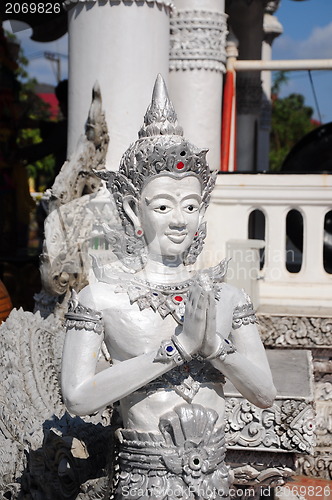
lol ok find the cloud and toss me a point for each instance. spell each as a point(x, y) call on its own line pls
point(317, 46)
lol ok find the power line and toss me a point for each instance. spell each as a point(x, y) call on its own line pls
point(54, 57)
point(40, 54)
point(315, 96)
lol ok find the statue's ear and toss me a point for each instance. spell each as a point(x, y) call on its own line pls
point(130, 206)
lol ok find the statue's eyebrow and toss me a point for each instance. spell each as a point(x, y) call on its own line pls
point(166, 196)
point(193, 196)
point(158, 196)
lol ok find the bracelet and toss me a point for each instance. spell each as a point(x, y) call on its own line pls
point(168, 352)
point(225, 347)
point(185, 355)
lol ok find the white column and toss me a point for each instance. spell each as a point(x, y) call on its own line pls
point(272, 29)
point(123, 45)
point(197, 64)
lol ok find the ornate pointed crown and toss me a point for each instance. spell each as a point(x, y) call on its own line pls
point(160, 149)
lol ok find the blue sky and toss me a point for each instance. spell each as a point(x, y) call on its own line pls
point(40, 68)
point(307, 26)
point(307, 34)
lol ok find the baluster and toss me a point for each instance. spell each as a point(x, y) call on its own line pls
point(275, 268)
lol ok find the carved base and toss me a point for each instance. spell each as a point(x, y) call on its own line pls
point(260, 469)
point(319, 465)
point(314, 333)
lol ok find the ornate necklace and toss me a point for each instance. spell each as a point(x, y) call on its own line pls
point(170, 298)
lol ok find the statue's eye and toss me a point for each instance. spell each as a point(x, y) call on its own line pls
point(191, 208)
point(163, 209)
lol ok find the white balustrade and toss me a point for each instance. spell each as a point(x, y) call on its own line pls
point(236, 196)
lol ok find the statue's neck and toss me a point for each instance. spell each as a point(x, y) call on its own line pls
point(160, 269)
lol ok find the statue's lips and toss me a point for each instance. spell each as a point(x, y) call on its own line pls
point(177, 237)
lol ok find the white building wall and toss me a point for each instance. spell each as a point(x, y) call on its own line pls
point(236, 196)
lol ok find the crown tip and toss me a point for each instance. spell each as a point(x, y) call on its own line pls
point(160, 94)
point(160, 117)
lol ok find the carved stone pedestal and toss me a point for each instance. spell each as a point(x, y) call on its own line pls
point(263, 444)
point(313, 332)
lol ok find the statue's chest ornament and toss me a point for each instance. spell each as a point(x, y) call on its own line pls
point(171, 299)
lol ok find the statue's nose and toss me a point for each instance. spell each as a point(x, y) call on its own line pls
point(178, 219)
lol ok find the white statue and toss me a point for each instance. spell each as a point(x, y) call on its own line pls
point(173, 334)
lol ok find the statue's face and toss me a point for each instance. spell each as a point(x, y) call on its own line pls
point(169, 212)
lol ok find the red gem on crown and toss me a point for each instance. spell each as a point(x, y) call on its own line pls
point(180, 165)
point(178, 298)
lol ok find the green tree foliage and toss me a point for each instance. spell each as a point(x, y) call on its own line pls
point(291, 120)
point(33, 111)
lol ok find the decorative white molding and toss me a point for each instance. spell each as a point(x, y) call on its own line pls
point(251, 474)
point(198, 40)
point(324, 423)
point(272, 28)
point(190, 64)
point(319, 465)
point(295, 331)
point(323, 391)
point(287, 426)
point(67, 4)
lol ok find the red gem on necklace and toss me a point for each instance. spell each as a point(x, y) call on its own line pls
point(178, 298)
point(180, 165)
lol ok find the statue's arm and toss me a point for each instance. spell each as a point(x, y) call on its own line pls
point(248, 368)
point(85, 391)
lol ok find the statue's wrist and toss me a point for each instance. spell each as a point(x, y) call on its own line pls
point(172, 350)
point(184, 353)
point(224, 348)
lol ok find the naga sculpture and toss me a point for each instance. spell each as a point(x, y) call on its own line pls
point(173, 333)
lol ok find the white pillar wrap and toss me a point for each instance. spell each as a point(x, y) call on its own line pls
point(123, 45)
point(197, 64)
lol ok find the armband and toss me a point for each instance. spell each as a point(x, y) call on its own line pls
point(81, 317)
point(244, 315)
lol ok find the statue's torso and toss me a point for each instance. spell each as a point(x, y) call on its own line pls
point(130, 332)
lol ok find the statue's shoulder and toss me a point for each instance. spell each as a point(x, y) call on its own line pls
point(100, 295)
point(234, 295)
